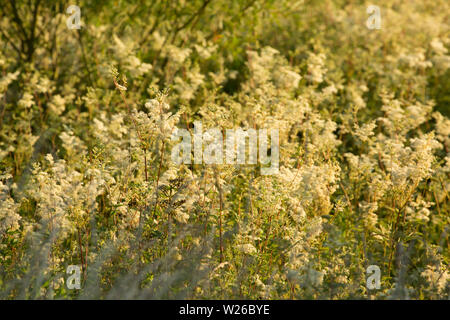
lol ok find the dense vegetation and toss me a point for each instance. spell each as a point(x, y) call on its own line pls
point(86, 178)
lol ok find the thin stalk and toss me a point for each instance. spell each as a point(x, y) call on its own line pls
point(219, 187)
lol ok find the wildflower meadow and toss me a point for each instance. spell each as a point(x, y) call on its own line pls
point(225, 149)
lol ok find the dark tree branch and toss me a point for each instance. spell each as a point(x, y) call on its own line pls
point(32, 39)
point(8, 40)
point(156, 23)
point(17, 19)
point(194, 16)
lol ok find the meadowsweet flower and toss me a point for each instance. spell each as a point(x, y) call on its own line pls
point(438, 46)
point(247, 248)
point(366, 131)
point(57, 105)
point(316, 69)
point(205, 51)
point(436, 277)
point(287, 78)
point(176, 54)
point(44, 85)
point(26, 101)
point(9, 217)
point(369, 213)
point(6, 80)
